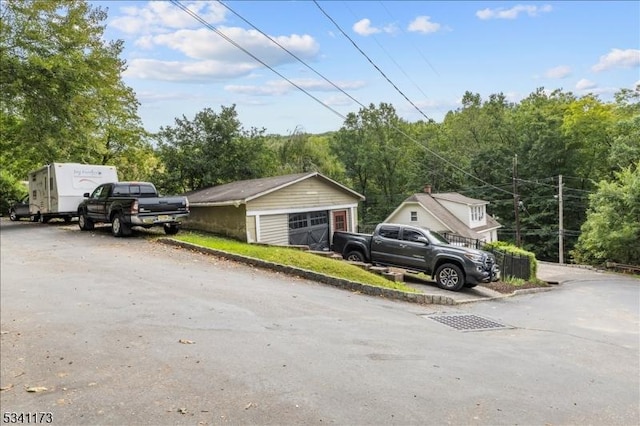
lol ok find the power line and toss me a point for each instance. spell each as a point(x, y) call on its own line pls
point(400, 131)
point(415, 47)
point(370, 61)
point(391, 58)
point(197, 17)
point(293, 55)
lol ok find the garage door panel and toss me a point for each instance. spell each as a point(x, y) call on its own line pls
point(309, 229)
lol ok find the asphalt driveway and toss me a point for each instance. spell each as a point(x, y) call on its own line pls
point(125, 331)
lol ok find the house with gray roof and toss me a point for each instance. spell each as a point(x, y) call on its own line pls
point(297, 209)
point(459, 218)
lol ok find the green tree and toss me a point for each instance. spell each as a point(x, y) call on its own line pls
point(379, 156)
point(303, 152)
point(612, 229)
point(63, 98)
point(211, 149)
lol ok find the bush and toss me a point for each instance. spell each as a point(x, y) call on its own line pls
point(508, 248)
point(11, 190)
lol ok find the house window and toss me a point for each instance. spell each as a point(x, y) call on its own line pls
point(414, 216)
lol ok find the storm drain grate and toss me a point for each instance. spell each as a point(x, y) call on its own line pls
point(467, 322)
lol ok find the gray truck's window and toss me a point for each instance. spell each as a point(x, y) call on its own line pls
point(436, 238)
point(389, 232)
point(411, 235)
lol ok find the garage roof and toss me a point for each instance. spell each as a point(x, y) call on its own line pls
point(246, 190)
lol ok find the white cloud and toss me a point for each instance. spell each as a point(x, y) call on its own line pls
point(338, 100)
point(501, 13)
point(204, 44)
point(159, 16)
point(152, 69)
point(618, 58)
point(281, 87)
point(364, 28)
point(585, 84)
point(561, 71)
point(423, 24)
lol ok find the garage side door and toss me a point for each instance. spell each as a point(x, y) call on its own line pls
point(309, 229)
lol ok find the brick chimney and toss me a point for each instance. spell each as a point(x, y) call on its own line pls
point(427, 189)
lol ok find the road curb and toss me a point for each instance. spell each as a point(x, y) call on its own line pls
point(419, 298)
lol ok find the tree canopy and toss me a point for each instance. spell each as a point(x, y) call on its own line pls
point(64, 100)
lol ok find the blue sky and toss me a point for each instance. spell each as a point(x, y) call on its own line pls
point(431, 51)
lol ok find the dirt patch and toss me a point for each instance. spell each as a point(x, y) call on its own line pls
point(506, 288)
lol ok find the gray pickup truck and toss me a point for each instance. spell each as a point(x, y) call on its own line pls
point(127, 204)
point(419, 249)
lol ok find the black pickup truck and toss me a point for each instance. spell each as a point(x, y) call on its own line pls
point(419, 249)
point(127, 204)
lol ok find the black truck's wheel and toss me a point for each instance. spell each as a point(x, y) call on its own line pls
point(171, 228)
point(84, 222)
point(13, 216)
point(354, 256)
point(450, 277)
point(118, 227)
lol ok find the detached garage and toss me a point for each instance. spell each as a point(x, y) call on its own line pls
point(299, 209)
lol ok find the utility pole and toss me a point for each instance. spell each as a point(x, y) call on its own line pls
point(561, 224)
point(516, 201)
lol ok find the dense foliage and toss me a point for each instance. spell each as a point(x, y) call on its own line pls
point(63, 100)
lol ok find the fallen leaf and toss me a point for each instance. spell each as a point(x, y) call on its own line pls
point(249, 405)
point(36, 389)
point(186, 342)
point(182, 410)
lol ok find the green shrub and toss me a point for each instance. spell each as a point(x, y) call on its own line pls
point(509, 248)
point(11, 190)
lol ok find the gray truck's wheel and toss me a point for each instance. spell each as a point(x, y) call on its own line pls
point(13, 216)
point(449, 277)
point(354, 256)
point(84, 222)
point(171, 229)
point(118, 227)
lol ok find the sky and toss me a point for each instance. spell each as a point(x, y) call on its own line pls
point(302, 66)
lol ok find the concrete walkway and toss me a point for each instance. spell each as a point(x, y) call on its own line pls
point(552, 273)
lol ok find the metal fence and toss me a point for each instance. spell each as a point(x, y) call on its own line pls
point(457, 240)
point(512, 265)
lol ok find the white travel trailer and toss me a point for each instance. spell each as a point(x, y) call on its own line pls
point(56, 190)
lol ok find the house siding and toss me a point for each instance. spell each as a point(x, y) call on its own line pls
point(251, 229)
point(461, 211)
point(425, 219)
point(229, 221)
point(309, 193)
point(274, 229)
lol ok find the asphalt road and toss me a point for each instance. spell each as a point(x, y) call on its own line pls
point(128, 331)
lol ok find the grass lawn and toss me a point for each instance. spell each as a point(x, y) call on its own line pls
point(293, 257)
